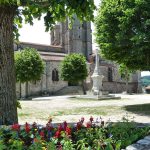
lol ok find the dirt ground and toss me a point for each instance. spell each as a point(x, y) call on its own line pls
point(39, 111)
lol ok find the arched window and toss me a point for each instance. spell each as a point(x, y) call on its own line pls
point(55, 75)
point(110, 75)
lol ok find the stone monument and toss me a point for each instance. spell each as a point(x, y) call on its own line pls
point(97, 78)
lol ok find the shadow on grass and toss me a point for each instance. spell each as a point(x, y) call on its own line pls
point(141, 109)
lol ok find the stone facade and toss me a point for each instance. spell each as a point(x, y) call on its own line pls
point(64, 41)
point(47, 85)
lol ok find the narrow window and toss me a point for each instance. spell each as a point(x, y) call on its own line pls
point(110, 76)
point(55, 76)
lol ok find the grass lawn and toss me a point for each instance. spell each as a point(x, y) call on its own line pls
point(43, 110)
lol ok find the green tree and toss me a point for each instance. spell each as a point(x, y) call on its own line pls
point(29, 66)
point(123, 32)
point(74, 69)
point(125, 74)
point(11, 17)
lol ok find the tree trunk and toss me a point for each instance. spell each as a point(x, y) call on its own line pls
point(83, 87)
point(127, 83)
point(27, 90)
point(8, 103)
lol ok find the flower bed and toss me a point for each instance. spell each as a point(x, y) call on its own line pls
point(92, 136)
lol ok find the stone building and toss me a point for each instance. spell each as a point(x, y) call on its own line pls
point(64, 41)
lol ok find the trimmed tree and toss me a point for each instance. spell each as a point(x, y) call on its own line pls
point(11, 17)
point(125, 74)
point(29, 66)
point(123, 32)
point(74, 69)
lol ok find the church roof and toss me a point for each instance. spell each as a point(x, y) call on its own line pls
point(49, 56)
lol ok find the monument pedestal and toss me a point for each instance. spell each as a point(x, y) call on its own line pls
point(97, 78)
point(98, 97)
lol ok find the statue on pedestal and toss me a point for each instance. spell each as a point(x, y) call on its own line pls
point(97, 78)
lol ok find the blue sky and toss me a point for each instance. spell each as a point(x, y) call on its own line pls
point(37, 34)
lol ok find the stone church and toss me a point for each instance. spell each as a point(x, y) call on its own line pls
point(64, 41)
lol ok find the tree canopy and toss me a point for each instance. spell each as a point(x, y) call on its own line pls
point(74, 68)
point(12, 13)
point(123, 32)
point(29, 65)
point(53, 10)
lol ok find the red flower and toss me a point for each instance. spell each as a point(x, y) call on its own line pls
point(15, 127)
point(68, 131)
point(42, 134)
point(65, 125)
point(60, 128)
point(57, 134)
point(91, 119)
point(88, 125)
point(79, 125)
point(27, 127)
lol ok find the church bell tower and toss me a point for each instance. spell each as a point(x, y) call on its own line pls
point(77, 39)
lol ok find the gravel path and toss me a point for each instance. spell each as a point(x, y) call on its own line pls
point(64, 102)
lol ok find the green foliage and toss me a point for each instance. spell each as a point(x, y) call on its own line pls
point(29, 65)
point(113, 137)
point(125, 133)
point(122, 32)
point(145, 80)
point(53, 10)
point(2, 145)
point(73, 68)
point(18, 105)
point(125, 72)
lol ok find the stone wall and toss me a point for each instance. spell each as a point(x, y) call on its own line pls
point(45, 86)
point(117, 85)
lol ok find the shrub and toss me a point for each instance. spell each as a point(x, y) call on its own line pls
point(93, 136)
point(73, 68)
point(29, 65)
